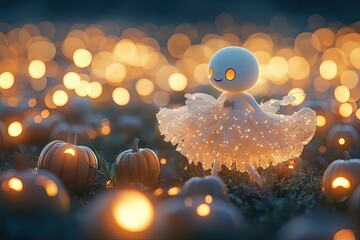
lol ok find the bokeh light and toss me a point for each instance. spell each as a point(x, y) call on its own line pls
point(177, 81)
point(328, 69)
point(342, 94)
point(133, 211)
point(6, 80)
point(15, 129)
point(37, 69)
point(82, 58)
point(60, 98)
point(203, 210)
point(121, 96)
point(71, 80)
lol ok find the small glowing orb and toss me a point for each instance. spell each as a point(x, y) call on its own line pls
point(37, 119)
point(320, 121)
point(32, 102)
point(82, 58)
point(15, 184)
point(37, 69)
point(45, 113)
point(299, 95)
point(133, 211)
point(144, 87)
point(121, 96)
point(60, 98)
point(208, 199)
point(177, 81)
point(341, 141)
point(203, 210)
point(6, 80)
point(105, 130)
point(163, 161)
point(158, 192)
point(70, 151)
point(51, 188)
point(173, 191)
point(346, 109)
point(344, 234)
point(15, 129)
point(291, 167)
point(94, 90)
point(328, 69)
point(340, 182)
point(342, 94)
point(71, 80)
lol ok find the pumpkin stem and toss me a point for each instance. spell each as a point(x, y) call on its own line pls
point(135, 146)
point(72, 139)
point(346, 155)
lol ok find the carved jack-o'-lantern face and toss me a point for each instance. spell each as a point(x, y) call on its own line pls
point(341, 178)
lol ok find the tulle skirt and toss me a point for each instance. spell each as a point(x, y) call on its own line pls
point(206, 129)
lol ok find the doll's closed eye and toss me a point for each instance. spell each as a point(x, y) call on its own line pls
point(230, 74)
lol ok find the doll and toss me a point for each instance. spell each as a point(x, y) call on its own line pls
point(234, 127)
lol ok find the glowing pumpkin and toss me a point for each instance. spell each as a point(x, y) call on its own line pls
point(342, 137)
point(30, 198)
point(198, 218)
point(137, 165)
point(75, 165)
point(31, 191)
point(341, 178)
point(125, 214)
point(203, 186)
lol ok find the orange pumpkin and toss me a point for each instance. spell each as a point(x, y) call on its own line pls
point(341, 178)
point(30, 191)
point(137, 165)
point(75, 165)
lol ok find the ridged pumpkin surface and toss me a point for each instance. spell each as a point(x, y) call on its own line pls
point(75, 165)
point(137, 165)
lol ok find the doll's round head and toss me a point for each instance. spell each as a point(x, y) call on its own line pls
point(233, 69)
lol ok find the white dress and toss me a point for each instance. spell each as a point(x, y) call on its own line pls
point(234, 128)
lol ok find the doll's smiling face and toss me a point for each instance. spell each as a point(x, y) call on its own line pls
point(233, 69)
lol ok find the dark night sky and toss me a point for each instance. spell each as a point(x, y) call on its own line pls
point(168, 11)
